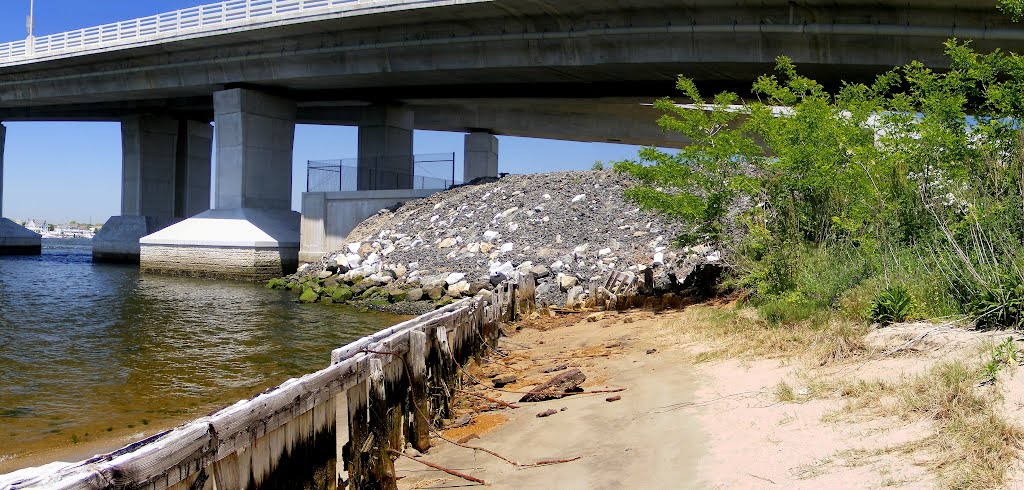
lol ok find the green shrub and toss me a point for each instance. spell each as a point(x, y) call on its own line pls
point(1000, 305)
point(893, 304)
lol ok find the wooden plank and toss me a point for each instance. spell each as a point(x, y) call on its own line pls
point(341, 431)
point(356, 463)
point(232, 471)
point(349, 350)
point(416, 359)
point(381, 472)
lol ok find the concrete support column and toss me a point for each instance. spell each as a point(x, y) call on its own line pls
point(252, 233)
point(165, 177)
point(255, 137)
point(385, 149)
point(192, 168)
point(14, 238)
point(481, 156)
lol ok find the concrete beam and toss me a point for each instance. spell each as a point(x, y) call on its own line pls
point(385, 149)
point(603, 121)
point(627, 120)
point(481, 156)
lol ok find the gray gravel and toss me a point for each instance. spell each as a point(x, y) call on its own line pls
point(566, 227)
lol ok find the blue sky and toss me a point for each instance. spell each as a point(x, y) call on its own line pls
point(72, 171)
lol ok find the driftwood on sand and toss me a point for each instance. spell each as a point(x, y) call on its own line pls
point(556, 387)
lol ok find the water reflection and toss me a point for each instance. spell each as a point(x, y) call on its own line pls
point(102, 349)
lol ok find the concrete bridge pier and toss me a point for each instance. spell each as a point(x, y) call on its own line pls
point(480, 156)
point(165, 178)
point(252, 233)
point(385, 149)
point(14, 238)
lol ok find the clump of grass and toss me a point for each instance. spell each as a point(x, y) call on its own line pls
point(893, 304)
point(972, 446)
point(784, 392)
point(825, 337)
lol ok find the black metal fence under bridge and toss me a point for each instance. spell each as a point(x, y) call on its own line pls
point(431, 171)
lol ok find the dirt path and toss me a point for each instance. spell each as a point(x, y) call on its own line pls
point(729, 423)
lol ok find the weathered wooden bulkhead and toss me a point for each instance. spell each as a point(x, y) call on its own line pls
point(327, 430)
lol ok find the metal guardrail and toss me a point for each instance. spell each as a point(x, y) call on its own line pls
point(169, 25)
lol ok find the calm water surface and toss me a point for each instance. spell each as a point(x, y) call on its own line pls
point(93, 354)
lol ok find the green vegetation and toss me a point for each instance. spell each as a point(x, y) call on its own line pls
point(1013, 8)
point(897, 199)
point(893, 304)
point(1003, 355)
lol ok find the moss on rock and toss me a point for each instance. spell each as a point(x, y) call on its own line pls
point(342, 294)
point(277, 283)
point(308, 295)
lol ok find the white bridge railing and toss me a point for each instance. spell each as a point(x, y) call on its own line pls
point(215, 16)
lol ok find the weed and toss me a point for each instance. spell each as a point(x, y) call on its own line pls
point(784, 392)
point(1002, 355)
point(893, 304)
point(972, 446)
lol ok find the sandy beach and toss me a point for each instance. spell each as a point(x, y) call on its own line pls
point(695, 415)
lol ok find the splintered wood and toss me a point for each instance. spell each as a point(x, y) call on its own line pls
point(556, 387)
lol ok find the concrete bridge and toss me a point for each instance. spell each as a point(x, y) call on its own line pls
point(567, 69)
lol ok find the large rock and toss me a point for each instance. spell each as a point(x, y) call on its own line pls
point(459, 289)
point(414, 294)
point(567, 281)
point(434, 292)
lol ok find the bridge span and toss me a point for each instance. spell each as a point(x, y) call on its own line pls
point(563, 69)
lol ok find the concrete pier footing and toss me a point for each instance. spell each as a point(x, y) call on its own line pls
point(18, 240)
point(165, 177)
point(252, 234)
point(241, 243)
point(118, 239)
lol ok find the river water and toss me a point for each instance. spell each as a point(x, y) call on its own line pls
point(93, 356)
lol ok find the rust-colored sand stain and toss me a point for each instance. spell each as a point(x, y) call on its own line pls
point(546, 322)
point(480, 425)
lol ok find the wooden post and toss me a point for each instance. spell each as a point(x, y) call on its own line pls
point(419, 407)
point(442, 374)
point(341, 431)
point(356, 449)
point(396, 393)
point(381, 471)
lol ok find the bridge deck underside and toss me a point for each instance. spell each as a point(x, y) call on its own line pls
point(477, 65)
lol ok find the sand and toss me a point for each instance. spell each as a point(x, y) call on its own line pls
point(684, 424)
